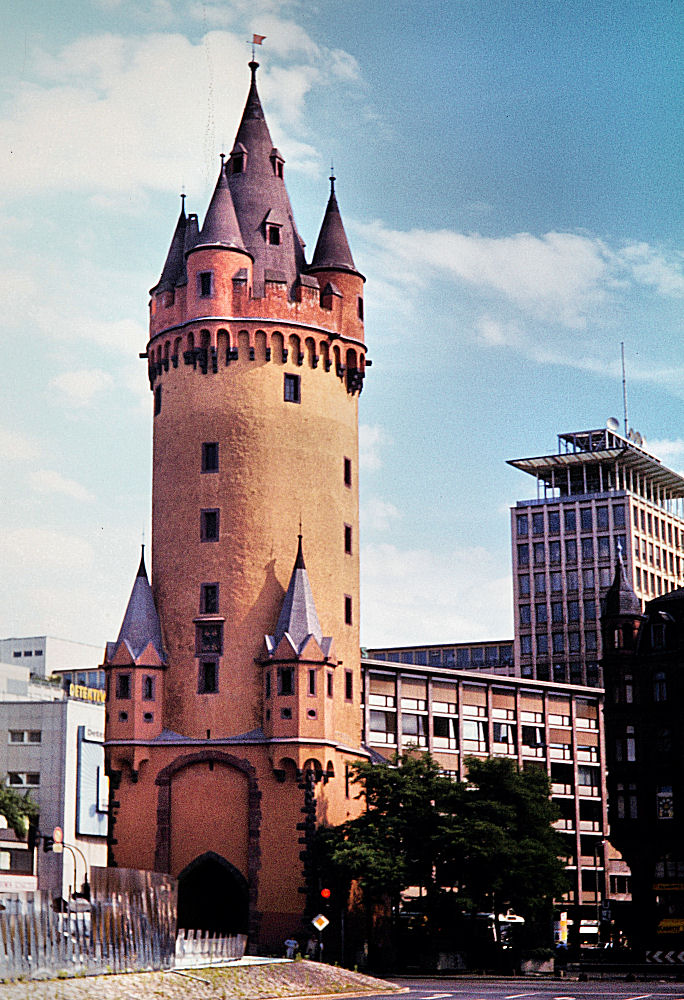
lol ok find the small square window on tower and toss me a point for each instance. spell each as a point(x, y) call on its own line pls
point(209, 525)
point(291, 393)
point(347, 610)
point(209, 598)
point(210, 456)
point(205, 284)
point(207, 680)
point(347, 472)
point(123, 686)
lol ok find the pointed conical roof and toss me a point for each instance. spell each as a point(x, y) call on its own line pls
point(332, 248)
point(254, 173)
point(220, 224)
point(191, 239)
point(174, 265)
point(141, 626)
point(298, 619)
point(620, 597)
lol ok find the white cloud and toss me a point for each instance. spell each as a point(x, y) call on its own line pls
point(560, 278)
point(79, 388)
point(43, 548)
point(120, 114)
point(371, 440)
point(50, 482)
point(416, 595)
point(378, 514)
point(17, 447)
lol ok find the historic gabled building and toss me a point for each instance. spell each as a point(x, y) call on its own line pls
point(235, 682)
point(643, 668)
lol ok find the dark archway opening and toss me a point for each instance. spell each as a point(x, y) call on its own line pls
point(213, 896)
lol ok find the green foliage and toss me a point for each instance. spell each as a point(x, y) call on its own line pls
point(487, 843)
point(17, 809)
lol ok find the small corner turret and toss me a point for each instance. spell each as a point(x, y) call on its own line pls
point(134, 666)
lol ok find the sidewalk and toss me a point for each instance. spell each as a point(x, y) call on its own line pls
point(248, 979)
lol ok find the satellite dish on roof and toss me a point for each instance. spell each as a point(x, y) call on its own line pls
point(612, 424)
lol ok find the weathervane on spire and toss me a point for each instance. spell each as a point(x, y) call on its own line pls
point(257, 40)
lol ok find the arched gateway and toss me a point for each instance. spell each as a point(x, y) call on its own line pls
point(213, 896)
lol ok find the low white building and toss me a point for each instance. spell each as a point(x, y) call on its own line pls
point(46, 654)
point(51, 747)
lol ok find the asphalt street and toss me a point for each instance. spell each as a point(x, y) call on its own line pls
point(464, 989)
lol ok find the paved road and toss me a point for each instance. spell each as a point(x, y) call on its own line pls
point(465, 989)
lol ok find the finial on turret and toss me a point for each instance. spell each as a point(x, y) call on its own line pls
point(183, 197)
point(332, 178)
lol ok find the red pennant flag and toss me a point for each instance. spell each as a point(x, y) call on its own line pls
point(257, 39)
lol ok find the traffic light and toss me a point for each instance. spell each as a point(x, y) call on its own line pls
point(325, 893)
point(48, 843)
point(34, 836)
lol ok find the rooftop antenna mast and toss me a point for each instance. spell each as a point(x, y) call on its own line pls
point(624, 386)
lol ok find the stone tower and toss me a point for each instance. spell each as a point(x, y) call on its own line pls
point(256, 361)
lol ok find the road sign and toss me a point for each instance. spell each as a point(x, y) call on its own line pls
point(320, 922)
point(58, 840)
point(605, 910)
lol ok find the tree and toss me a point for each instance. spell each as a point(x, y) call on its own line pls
point(486, 843)
point(18, 810)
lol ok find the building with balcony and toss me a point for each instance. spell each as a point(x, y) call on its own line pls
point(455, 714)
point(599, 494)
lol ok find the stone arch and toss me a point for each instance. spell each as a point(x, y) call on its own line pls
point(162, 859)
point(205, 339)
point(311, 356)
point(213, 896)
point(222, 345)
point(243, 345)
point(277, 348)
point(314, 765)
point(190, 341)
point(288, 767)
point(260, 346)
point(296, 355)
point(351, 358)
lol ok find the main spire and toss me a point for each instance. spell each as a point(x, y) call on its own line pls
point(264, 214)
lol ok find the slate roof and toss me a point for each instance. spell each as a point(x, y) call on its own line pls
point(257, 190)
point(220, 224)
point(174, 265)
point(332, 248)
point(298, 618)
point(141, 624)
point(620, 597)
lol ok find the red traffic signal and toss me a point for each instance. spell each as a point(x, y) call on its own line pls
point(325, 893)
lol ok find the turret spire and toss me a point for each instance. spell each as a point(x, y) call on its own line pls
point(220, 223)
point(175, 261)
point(332, 248)
point(140, 627)
point(298, 619)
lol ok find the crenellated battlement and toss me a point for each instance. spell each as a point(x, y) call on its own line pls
point(211, 345)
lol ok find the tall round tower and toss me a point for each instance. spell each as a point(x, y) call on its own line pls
point(256, 361)
point(256, 366)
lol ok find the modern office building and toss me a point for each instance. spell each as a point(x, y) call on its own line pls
point(599, 493)
point(558, 727)
point(491, 657)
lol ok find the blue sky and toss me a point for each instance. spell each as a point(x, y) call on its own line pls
point(510, 178)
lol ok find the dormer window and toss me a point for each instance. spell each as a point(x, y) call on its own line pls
point(277, 162)
point(273, 235)
point(237, 163)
